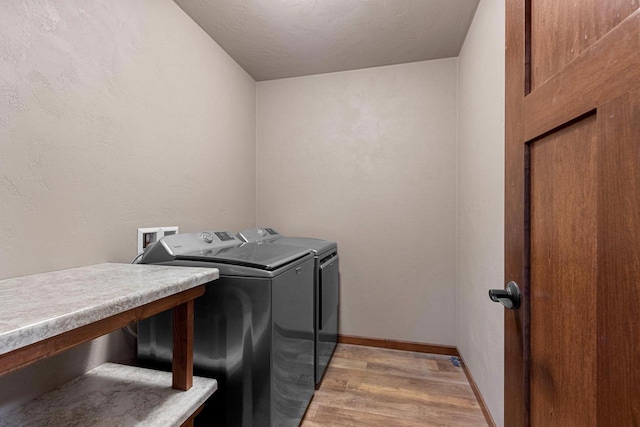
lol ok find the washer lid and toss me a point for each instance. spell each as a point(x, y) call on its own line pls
point(254, 254)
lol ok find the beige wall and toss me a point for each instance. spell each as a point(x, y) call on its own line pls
point(368, 158)
point(125, 114)
point(481, 201)
point(113, 115)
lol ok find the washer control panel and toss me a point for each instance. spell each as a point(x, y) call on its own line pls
point(179, 244)
point(225, 236)
point(258, 234)
point(207, 237)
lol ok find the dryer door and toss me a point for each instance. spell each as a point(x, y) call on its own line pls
point(327, 321)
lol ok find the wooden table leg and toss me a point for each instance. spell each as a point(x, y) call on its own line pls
point(183, 346)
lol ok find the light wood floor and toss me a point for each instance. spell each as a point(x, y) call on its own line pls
point(366, 386)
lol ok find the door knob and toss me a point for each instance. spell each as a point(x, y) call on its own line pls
point(509, 297)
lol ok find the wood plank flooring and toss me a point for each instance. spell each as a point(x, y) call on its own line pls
point(367, 386)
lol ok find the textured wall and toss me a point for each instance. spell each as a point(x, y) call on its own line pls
point(481, 201)
point(367, 158)
point(113, 115)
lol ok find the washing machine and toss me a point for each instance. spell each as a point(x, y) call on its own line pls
point(326, 289)
point(253, 327)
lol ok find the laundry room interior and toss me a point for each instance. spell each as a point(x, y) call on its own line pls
point(378, 125)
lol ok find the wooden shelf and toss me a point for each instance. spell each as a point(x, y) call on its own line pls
point(114, 395)
point(46, 314)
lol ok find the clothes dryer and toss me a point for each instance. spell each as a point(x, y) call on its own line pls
point(326, 289)
point(253, 327)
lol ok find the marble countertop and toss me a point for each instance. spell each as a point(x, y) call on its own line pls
point(114, 395)
point(39, 306)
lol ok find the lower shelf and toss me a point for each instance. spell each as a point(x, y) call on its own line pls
point(114, 395)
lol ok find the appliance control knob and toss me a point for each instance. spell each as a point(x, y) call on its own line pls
point(207, 237)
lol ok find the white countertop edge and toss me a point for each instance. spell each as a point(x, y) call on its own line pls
point(35, 332)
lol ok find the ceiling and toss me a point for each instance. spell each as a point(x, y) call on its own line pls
point(273, 39)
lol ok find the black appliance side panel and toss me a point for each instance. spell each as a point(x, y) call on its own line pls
point(232, 343)
point(327, 314)
point(293, 344)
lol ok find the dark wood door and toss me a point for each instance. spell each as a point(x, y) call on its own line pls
point(572, 236)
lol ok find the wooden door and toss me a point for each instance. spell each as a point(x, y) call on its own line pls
point(572, 212)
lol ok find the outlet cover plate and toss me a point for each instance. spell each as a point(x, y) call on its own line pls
point(159, 233)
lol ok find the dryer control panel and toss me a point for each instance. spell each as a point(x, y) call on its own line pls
point(258, 234)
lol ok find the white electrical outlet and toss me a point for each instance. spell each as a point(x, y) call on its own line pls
point(149, 235)
point(167, 231)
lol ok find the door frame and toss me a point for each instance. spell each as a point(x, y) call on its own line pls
point(516, 236)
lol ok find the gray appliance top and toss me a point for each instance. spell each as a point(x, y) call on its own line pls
point(258, 234)
point(270, 235)
point(223, 247)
